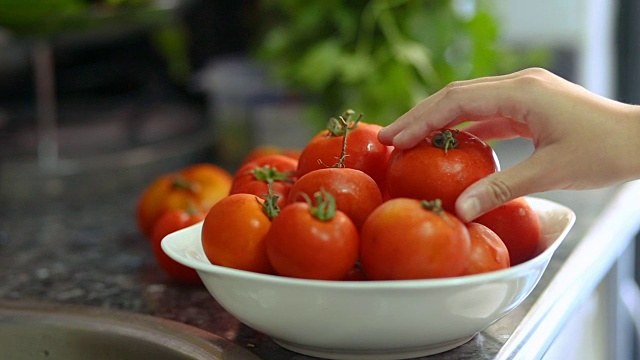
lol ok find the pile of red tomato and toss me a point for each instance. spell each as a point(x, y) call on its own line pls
point(347, 207)
point(176, 200)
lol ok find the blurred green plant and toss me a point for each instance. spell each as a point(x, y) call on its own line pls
point(380, 56)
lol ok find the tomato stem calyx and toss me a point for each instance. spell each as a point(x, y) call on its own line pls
point(179, 182)
point(325, 208)
point(268, 173)
point(433, 205)
point(436, 207)
point(270, 206)
point(445, 139)
point(341, 126)
point(343, 123)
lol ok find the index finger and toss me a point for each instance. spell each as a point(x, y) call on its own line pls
point(482, 99)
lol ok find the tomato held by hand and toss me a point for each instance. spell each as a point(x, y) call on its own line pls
point(199, 186)
point(363, 149)
point(355, 193)
point(254, 177)
point(233, 233)
point(440, 167)
point(412, 239)
point(169, 222)
point(313, 242)
point(488, 252)
point(518, 225)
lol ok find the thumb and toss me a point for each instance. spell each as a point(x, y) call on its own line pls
point(496, 189)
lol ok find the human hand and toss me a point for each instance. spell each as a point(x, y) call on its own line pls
point(581, 140)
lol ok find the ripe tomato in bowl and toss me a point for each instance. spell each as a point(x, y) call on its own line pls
point(385, 319)
point(441, 166)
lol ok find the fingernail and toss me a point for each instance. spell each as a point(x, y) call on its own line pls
point(384, 138)
point(469, 209)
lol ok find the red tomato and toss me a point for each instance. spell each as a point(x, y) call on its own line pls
point(363, 152)
point(233, 233)
point(488, 252)
point(428, 171)
point(253, 177)
point(404, 239)
point(169, 222)
point(355, 193)
point(312, 242)
point(384, 189)
point(199, 185)
point(266, 150)
point(518, 225)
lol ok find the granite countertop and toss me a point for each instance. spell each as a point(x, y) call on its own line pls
point(74, 240)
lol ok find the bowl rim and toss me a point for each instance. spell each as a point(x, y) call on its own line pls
point(491, 276)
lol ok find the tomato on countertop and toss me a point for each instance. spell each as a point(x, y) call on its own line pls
point(171, 221)
point(199, 186)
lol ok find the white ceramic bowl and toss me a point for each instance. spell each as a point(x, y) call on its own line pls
point(372, 319)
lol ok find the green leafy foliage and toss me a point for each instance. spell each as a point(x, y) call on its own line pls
point(379, 56)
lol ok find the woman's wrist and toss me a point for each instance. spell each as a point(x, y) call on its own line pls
point(630, 157)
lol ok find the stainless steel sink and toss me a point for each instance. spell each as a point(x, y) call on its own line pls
point(53, 331)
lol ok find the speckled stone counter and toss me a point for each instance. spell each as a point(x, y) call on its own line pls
point(74, 240)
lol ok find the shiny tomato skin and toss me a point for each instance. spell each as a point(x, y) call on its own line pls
point(199, 185)
point(356, 193)
point(488, 251)
point(518, 225)
point(244, 180)
point(302, 246)
point(233, 234)
point(171, 221)
point(429, 172)
point(364, 152)
point(402, 240)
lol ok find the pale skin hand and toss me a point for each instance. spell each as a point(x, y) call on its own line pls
point(581, 140)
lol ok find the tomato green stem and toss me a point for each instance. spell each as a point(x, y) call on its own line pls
point(445, 139)
point(341, 126)
point(267, 173)
point(343, 149)
point(325, 208)
point(433, 205)
point(343, 123)
point(270, 204)
point(436, 207)
point(179, 182)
